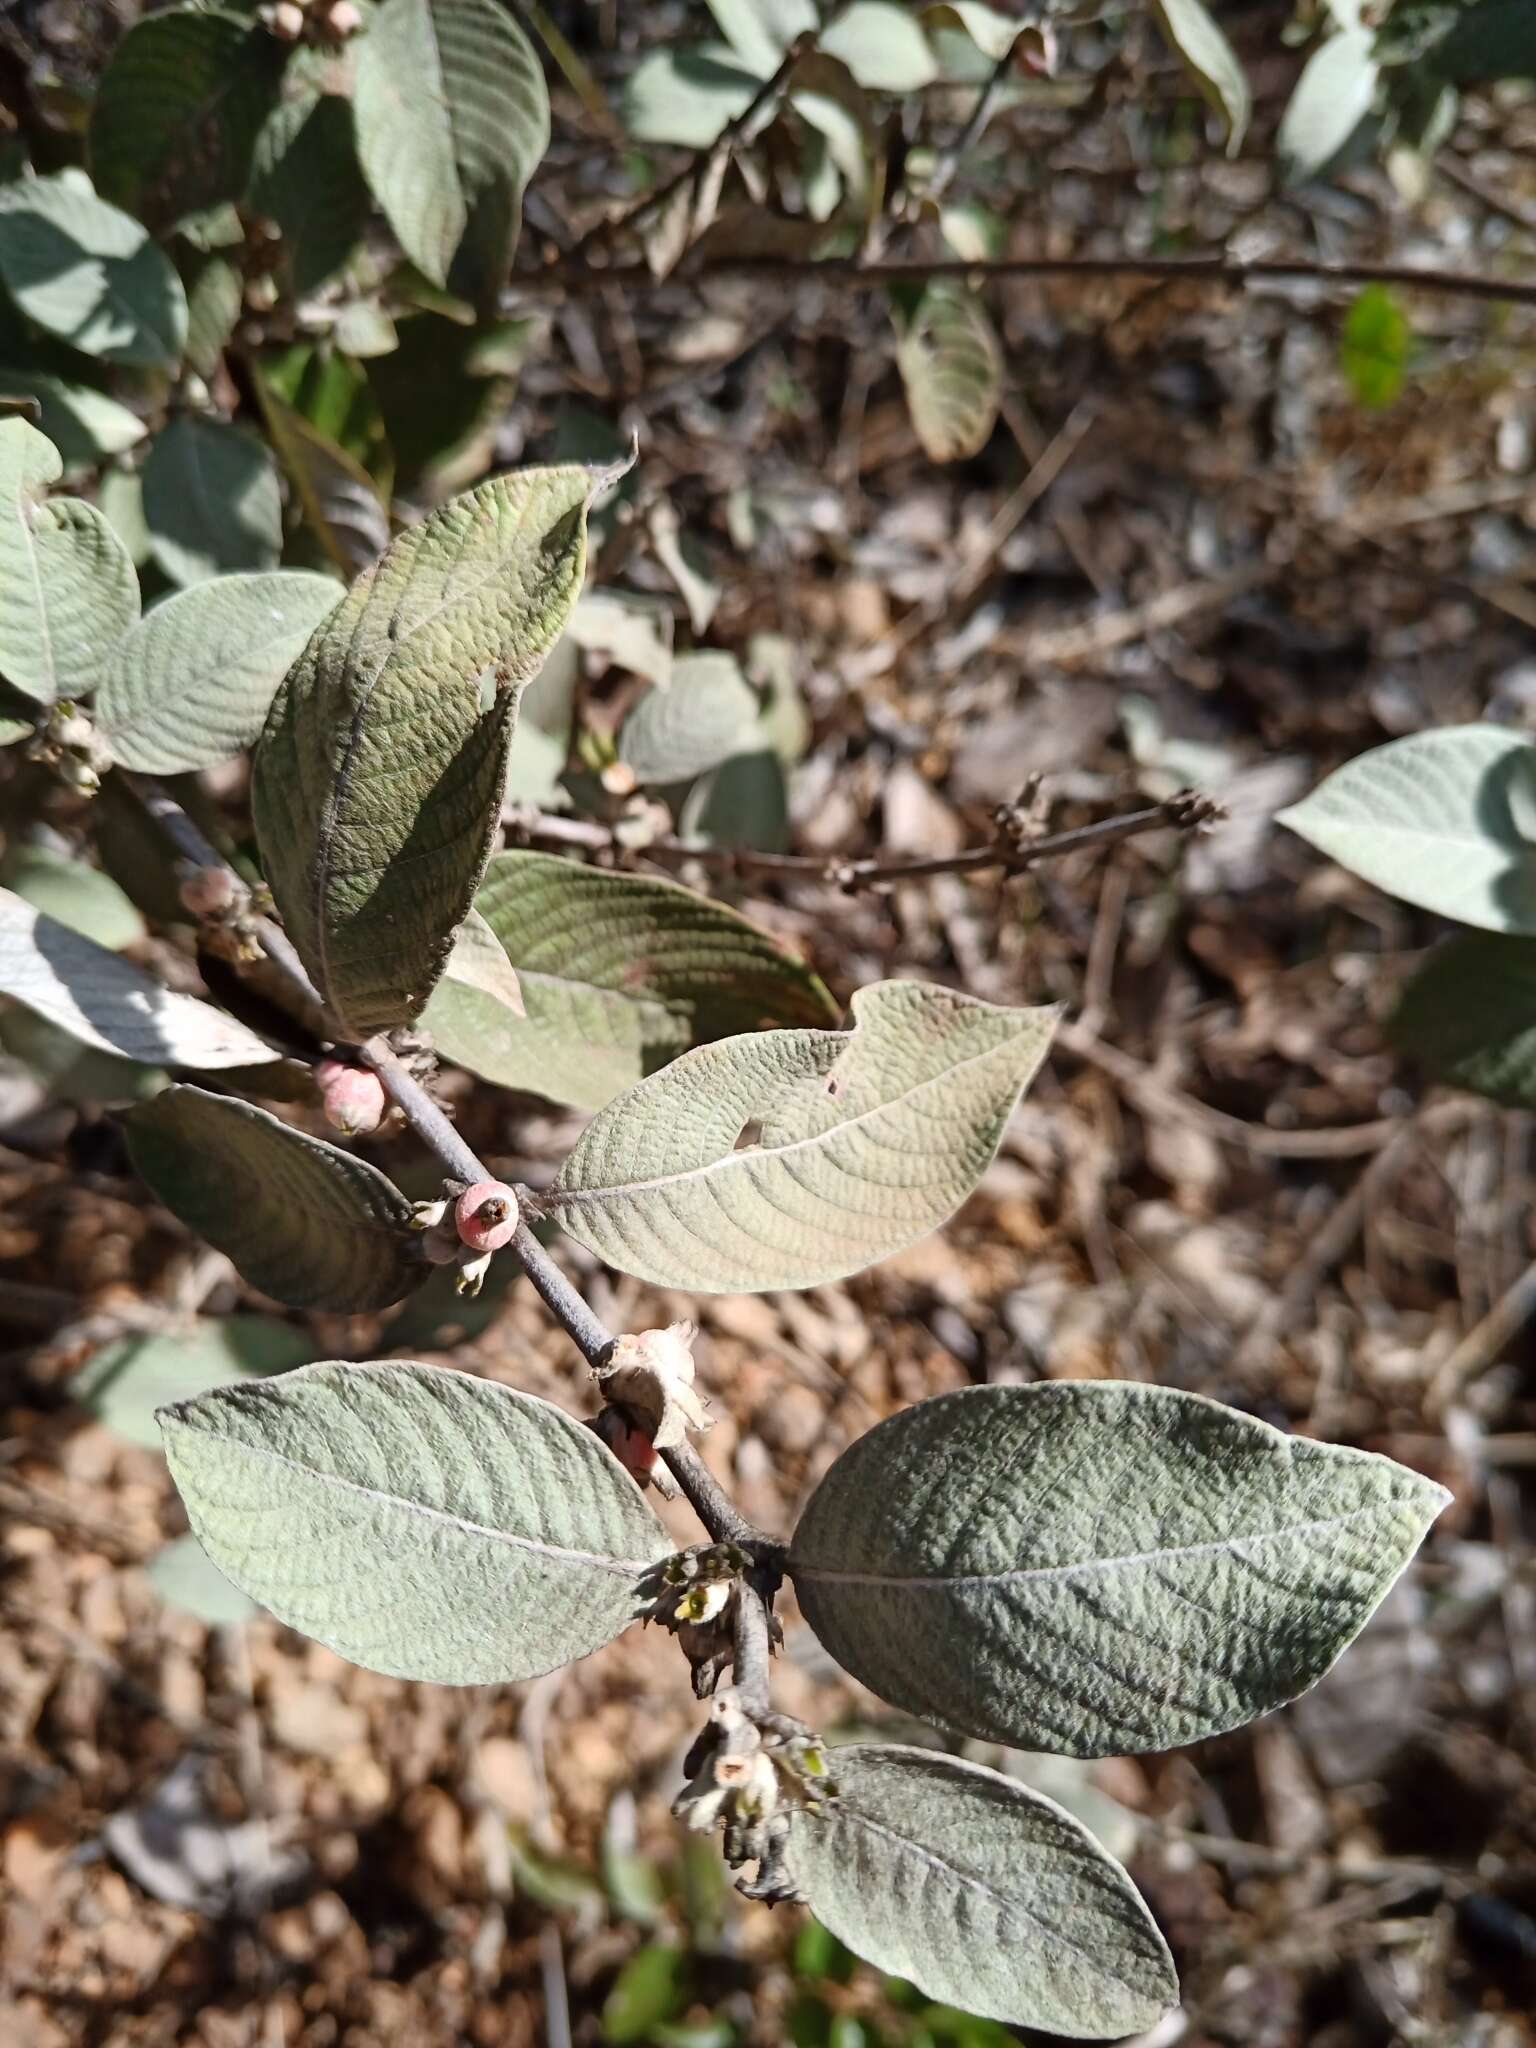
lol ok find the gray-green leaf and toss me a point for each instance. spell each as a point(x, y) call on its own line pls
point(78, 895)
point(211, 500)
point(1332, 97)
point(421, 1522)
point(303, 1221)
point(68, 591)
point(787, 1158)
point(89, 273)
point(178, 109)
point(882, 45)
point(618, 974)
point(308, 180)
point(982, 1893)
point(106, 1003)
point(951, 368)
point(704, 715)
point(1097, 1568)
point(379, 778)
point(127, 1380)
point(1470, 1016)
point(194, 680)
point(186, 1577)
point(452, 118)
point(1446, 820)
point(687, 95)
point(1212, 61)
point(83, 424)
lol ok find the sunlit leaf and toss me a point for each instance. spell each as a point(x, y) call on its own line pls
point(1213, 63)
point(706, 714)
point(1373, 350)
point(1333, 95)
point(90, 274)
point(951, 366)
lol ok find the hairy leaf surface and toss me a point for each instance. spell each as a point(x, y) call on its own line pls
point(1097, 1568)
point(982, 1893)
point(68, 591)
point(787, 1158)
point(618, 974)
point(1443, 819)
point(106, 1003)
point(194, 680)
point(421, 1522)
point(89, 273)
point(304, 1221)
point(379, 777)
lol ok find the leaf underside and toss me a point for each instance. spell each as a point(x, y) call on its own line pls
point(1098, 1568)
point(423, 1523)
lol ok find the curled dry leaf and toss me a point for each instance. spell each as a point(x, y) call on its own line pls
point(651, 1373)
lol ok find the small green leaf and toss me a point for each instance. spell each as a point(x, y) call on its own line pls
point(378, 782)
point(1333, 95)
point(106, 1003)
point(1373, 351)
point(452, 118)
point(1470, 1016)
point(706, 714)
point(687, 95)
point(1441, 819)
point(1212, 62)
point(760, 31)
point(305, 1222)
point(79, 896)
point(651, 1987)
point(68, 591)
point(882, 45)
point(178, 110)
point(211, 500)
point(308, 180)
point(981, 1893)
point(786, 1158)
point(951, 366)
point(186, 1578)
point(618, 973)
point(423, 1523)
point(127, 1380)
point(1098, 1568)
point(194, 680)
point(90, 274)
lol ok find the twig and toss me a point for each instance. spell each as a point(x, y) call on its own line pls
point(1482, 1344)
point(1183, 812)
point(1219, 270)
point(949, 159)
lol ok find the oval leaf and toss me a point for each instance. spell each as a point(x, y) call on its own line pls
point(194, 680)
point(83, 424)
point(1470, 1016)
point(303, 1221)
point(1333, 95)
point(83, 897)
point(68, 591)
point(211, 501)
point(452, 118)
point(126, 1381)
point(882, 45)
point(951, 367)
point(1094, 1568)
point(104, 1002)
point(618, 973)
point(421, 1522)
point(1441, 819)
point(1212, 61)
point(379, 778)
point(982, 1893)
point(90, 274)
point(791, 1157)
point(177, 112)
point(706, 713)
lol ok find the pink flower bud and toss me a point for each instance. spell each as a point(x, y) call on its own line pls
point(354, 1098)
point(486, 1215)
point(285, 20)
point(344, 19)
point(209, 892)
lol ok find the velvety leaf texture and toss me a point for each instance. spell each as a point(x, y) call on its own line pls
point(176, 115)
point(379, 777)
point(106, 1003)
point(421, 1522)
point(1098, 1568)
point(88, 273)
point(618, 974)
point(68, 589)
point(194, 680)
point(302, 1220)
point(983, 1894)
point(1443, 819)
point(791, 1157)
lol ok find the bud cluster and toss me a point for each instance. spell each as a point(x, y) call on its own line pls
point(66, 742)
point(749, 1777)
point(697, 1602)
point(467, 1228)
point(313, 21)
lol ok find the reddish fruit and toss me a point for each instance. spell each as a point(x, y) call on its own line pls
point(354, 1098)
point(486, 1216)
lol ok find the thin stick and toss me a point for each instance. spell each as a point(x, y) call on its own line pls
point(1219, 270)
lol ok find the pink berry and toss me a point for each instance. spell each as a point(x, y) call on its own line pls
point(486, 1215)
point(354, 1098)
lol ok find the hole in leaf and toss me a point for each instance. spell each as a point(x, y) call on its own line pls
point(750, 1135)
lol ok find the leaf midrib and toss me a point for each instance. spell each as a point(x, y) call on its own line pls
point(1085, 1566)
point(617, 1565)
